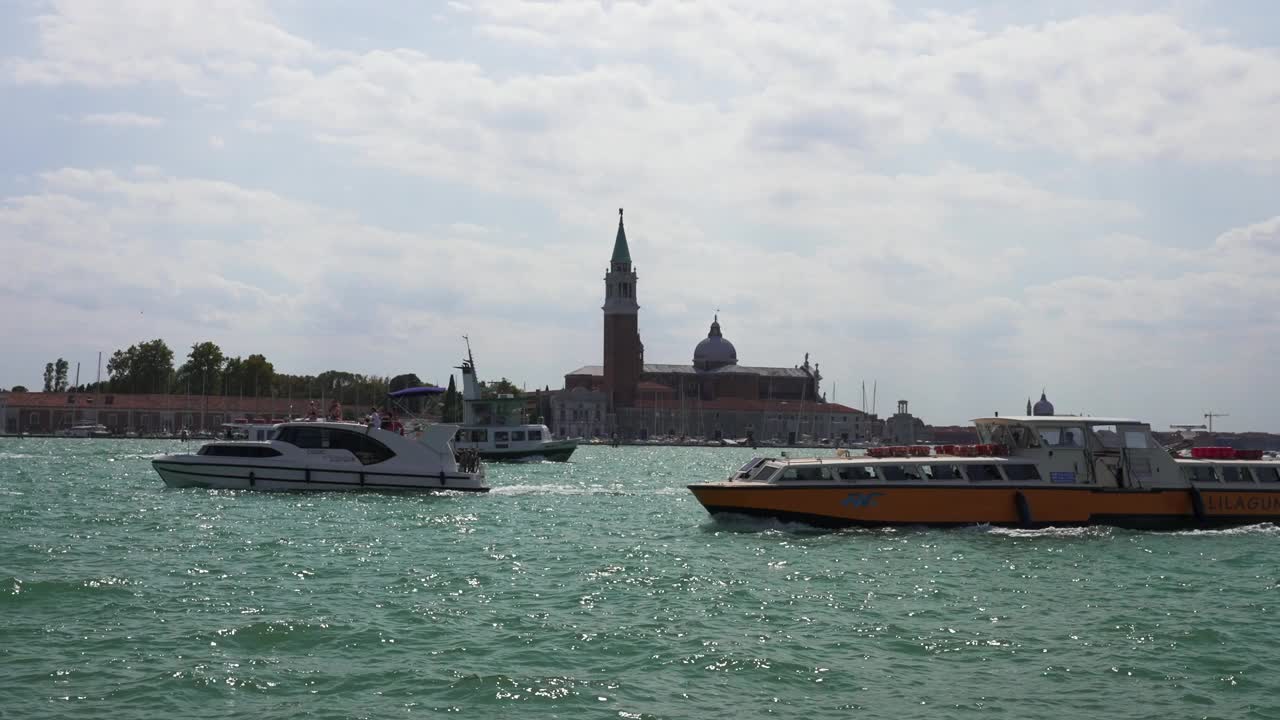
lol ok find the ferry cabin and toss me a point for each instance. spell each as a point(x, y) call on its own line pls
point(1027, 471)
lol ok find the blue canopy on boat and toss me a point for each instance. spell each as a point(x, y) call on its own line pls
point(415, 391)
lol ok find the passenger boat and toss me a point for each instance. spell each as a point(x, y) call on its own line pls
point(85, 431)
point(1030, 471)
point(305, 455)
point(493, 427)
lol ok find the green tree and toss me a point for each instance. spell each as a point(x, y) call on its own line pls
point(60, 375)
point(233, 376)
point(452, 411)
point(401, 382)
point(19, 388)
point(258, 374)
point(118, 368)
point(152, 367)
point(48, 377)
point(502, 386)
point(203, 368)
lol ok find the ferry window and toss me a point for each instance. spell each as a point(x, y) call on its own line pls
point(1107, 436)
point(1267, 474)
point(1022, 473)
point(982, 473)
point(499, 435)
point(517, 436)
point(479, 436)
point(914, 472)
point(1201, 473)
point(1231, 473)
point(945, 472)
point(854, 473)
point(1051, 436)
point(812, 474)
point(535, 434)
point(893, 473)
point(1135, 439)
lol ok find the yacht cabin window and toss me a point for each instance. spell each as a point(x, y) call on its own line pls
point(1267, 474)
point(517, 436)
point(535, 435)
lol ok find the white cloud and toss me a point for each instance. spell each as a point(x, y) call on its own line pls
point(899, 194)
point(189, 43)
point(122, 119)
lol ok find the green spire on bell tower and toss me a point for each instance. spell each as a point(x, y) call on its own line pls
point(621, 253)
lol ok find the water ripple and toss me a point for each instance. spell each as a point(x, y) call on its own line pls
point(596, 588)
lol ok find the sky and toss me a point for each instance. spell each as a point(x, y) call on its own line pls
point(958, 204)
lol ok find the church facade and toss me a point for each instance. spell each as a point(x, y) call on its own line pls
point(711, 397)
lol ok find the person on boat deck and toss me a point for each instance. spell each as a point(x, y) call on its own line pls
point(1069, 439)
point(335, 411)
point(375, 420)
point(312, 412)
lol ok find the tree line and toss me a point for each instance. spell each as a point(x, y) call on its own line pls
point(148, 367)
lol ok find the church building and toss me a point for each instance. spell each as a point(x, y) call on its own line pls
point(710, 396)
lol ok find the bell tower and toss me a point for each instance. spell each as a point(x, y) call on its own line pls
point(623, 353)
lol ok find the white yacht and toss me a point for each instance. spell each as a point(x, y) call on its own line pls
point(493, 428)
point(85, 431)
point(304, 455)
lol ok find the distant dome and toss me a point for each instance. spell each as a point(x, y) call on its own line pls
point(1043, 406)
point(715, 351)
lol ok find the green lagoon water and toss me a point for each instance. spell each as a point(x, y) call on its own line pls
point(595, 589)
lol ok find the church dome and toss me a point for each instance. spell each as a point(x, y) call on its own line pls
point(1043, 406)
point(715, 351)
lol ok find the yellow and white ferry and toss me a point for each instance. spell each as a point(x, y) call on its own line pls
point(1027, 471)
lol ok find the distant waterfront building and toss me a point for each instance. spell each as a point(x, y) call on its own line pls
point(711, 397)
point(1043, 406)
point(43, 413)
point(902, 428)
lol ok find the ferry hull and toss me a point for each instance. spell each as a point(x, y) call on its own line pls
point(553, 452)
point(1010, 506)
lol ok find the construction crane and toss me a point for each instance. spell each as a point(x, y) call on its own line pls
point(1209, 416)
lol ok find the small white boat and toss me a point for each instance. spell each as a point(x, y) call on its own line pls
point(85, 431)
point(493, 428)
point(306, 455)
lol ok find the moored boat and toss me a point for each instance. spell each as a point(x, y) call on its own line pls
point(1029, 471)
point(85, 431)
point(306, 455)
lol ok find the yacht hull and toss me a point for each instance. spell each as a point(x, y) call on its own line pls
point(877, 505)
point(237, 476)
